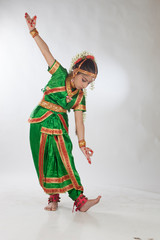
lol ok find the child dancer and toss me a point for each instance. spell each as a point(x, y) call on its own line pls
point(50, 143)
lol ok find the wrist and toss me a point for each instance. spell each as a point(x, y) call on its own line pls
point(82, 143)
point(34, 32)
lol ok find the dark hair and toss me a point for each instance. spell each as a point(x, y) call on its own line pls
point(88, 65)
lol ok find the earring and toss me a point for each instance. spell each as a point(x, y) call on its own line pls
point(92, 86)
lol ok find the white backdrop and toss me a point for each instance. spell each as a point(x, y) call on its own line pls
point(123, 115)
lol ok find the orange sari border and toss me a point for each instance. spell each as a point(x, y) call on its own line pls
point(63, 153)
point(40, 119)
point(66, 162)
point(54, 67)
point(79, 99)
point(51, 106)
point(41, 157)
point(51, 131)
point(69, 88)
point(80, 107)
point(58, 190)
point(55, 90)
point(63, 122)
point(41, 175)
point(57, 180)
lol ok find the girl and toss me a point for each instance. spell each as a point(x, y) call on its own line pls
point(49, 140)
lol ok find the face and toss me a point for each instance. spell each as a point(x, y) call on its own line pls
point(82, 81)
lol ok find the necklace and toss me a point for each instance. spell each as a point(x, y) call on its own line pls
point(72, 83)
point(69, 85)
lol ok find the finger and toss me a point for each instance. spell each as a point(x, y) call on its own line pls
point(89, 160)
point(27, 16)
point(86, 154)
point(28, 19)
point(90, 154)
point(34, 19)
point(90, 151)
point(32, 22)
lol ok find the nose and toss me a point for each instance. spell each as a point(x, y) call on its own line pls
point(85, 85)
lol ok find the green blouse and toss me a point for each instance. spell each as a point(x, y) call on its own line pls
point(56, 92)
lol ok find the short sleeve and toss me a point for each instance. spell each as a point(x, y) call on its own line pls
point(82, 105)
point(57, 69)
point(59, 74)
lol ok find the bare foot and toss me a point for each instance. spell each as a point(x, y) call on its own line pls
point(89, 203)
point(52, 206)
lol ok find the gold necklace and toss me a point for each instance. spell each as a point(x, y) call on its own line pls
point(69, 89)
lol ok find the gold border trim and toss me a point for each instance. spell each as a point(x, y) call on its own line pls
point(54, 67)
point(66, 161)
point(57, 180)
point(41, 157)
point(51, 131)
point(55, 90)
point(63, 122)
point(80, 107)
point(40, 119)
point(52, 106)
point(58, 190)
point(41, 176)
point(79, 99)
point(69, 88)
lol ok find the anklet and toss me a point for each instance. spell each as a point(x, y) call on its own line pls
point(79, 202)
point(54, 198)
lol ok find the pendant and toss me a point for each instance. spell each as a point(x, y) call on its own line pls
point(68, 99)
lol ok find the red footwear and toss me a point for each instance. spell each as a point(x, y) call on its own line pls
point(79, 202)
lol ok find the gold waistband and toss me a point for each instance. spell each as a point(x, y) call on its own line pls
point(52, 106)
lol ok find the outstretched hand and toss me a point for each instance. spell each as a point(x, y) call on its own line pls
point(31, 22)
point(88, 153)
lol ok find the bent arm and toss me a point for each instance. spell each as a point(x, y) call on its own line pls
point(44, 50)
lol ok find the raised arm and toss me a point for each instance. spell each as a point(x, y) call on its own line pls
point(80, 130)
point(31, 22)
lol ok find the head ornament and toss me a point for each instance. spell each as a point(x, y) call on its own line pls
point(78, 58)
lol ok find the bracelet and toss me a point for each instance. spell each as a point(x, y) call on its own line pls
point(82, 143)
point(34, 32)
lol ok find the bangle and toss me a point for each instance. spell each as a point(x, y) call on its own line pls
point(82, 143)
point(34, 32)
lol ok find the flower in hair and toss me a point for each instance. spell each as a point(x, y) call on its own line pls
point(90, 57)
point(79, 59)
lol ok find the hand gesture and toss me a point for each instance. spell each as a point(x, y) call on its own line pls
point(31, 22)
point(88, 153)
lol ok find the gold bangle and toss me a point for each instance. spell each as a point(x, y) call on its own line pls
point(82, 143)
point(34, 32)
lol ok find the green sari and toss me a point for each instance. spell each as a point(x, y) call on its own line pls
point(50, 143)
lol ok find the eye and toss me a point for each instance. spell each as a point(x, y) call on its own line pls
point(83, 80)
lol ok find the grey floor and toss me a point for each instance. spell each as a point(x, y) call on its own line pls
point(122, 214)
